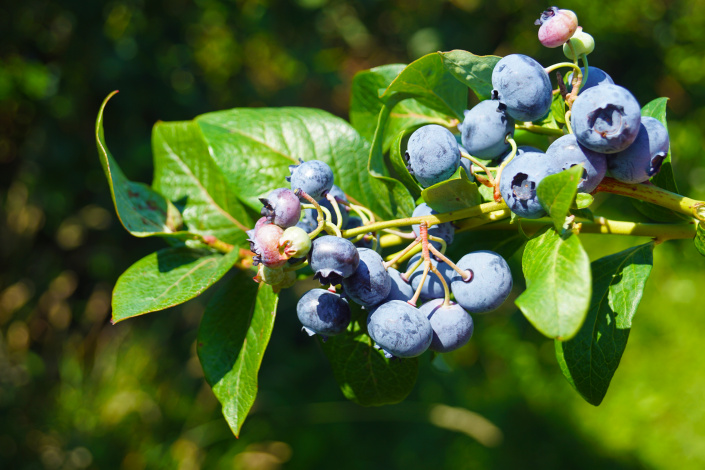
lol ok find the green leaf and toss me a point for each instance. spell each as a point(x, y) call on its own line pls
point(142, 211)
point(699, 239)
point(474, 71)
point(396, 157)
point(166, 278)
point(431, 84)
point(364, 375)
point(232, 339)
point(453, 194)
point(557, 296)
point(665, 177)
point(254, 148)
point(365, 105)
point(557, 192)
point(590, 359)
point(583, 200)
point(185, 172)
point(558, 109)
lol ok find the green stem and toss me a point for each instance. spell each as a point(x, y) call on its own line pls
point(652, 194)
point(608, 227)
point(564, 64)
point(430, 219)
point(587, 69)
point(527, 126)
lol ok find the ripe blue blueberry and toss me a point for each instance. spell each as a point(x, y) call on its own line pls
point(446, 231)
point(485, 128)
point(332, 259)
point(282, 207)
point(370, 284)
point(606, 118)
point(452, 326)
point(566, 152)
point(314, 177)
point(323, 312)
point(432, 154)
point(523, 86)
point(595, 77)
point(400, 329)
point(519, 181)
point(401, 289)
point(432, 288)
point(641, 160)
point(489, 286)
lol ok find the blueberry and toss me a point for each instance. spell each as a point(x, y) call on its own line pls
point(432, 154)
point(370, 284)
point(641, 160)
point(400, 329)
point(557, 26)
point(309, 221)
point(401, 289)
point(485, 128)
point(519, 181)
point(489, 286)
point(595, 77)
point(265, 245)
point(452, 326)
point(332, 259)
point(446, 231)
point(606, 118)
point(432, 288)
point(523, 86)
point(314, 177)
point(323, 312)
point(566, 152)
point(282, 207)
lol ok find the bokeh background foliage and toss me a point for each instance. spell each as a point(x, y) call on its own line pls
point(76, 392)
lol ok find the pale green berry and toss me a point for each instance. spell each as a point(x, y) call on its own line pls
point(271, 276)
point(295, 242)
point(582, 42)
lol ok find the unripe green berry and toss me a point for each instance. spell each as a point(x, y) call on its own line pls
point(582, 42)
point(295, 242)
point(271, 276)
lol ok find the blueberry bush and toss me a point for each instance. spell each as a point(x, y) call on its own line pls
point(406, 215)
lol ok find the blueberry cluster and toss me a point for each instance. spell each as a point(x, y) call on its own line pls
point(288, 236)
point(607, 133)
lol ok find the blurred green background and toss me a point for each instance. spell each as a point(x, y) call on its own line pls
point(76, 392)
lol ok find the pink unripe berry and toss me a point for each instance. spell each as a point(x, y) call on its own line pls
point(557, 26)
point(266, 246)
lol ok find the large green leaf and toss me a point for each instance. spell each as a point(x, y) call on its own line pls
point(557, 296)
point(557, 193)
point(396, 157)
point(254, 148)
point(184, 171)
point(665, 177)
point(590, 359)
point(363, 373)
point(365, 105)
point(700, 238)
point(232, 339)
point(453, 194)
point(141, 210)
point(474, 71)
point(429, 81)
point(166, 278)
